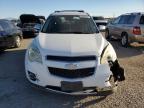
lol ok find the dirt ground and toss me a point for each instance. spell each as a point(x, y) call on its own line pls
point(16, 92)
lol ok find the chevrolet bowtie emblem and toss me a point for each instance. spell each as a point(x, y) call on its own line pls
point(71, 66)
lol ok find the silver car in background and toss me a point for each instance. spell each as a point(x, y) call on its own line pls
point(127, 27)
point(101, 22)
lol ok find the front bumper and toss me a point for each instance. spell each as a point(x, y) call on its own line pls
point(89, 91)
point(44, 79)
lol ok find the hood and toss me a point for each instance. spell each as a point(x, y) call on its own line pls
point(29, 18)
point(71, 44)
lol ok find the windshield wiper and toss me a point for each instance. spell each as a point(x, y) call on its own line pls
point(78, 32)
point(70, 32)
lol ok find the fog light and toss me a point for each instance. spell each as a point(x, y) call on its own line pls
point(32, 76)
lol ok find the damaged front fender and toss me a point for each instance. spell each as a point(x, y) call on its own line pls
point(109, 56)
point(117, 70)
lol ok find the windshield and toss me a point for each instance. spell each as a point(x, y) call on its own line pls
point(4, 24)
point(70, 24)
point(1, 29)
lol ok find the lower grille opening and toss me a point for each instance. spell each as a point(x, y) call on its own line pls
point(93, 89)
point(77, 73)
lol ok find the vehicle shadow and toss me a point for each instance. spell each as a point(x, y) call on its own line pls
point(55, 100)
point(132, 50)
point(11, 62)
point(16, 88)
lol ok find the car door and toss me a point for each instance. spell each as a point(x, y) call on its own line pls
point(121, 26)
point(113, 27)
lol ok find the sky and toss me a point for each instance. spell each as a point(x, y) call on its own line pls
point(106, 8)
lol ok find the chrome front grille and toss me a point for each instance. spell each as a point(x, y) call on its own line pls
point(71, 59)
point(72, 71)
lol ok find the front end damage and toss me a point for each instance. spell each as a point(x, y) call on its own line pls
point(41, 72)
point(102, 83)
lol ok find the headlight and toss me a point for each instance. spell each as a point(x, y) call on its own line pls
point(34, 54)
point(108, 54)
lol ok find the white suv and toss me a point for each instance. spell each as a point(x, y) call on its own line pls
point(71, 56)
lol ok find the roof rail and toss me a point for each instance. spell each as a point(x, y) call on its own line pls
point(134, 13)
point(70, 11)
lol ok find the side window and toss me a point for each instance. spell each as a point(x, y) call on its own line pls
point(124, 19)
point(127, 19)
point(116, 21)
point(131, 19)
point(141, 20)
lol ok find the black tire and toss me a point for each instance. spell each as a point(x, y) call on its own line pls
point(124, 40)
point(107, 35)
point(17, 42)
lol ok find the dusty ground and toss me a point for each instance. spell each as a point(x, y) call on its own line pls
point(16, 92)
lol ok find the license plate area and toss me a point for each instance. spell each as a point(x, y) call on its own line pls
point(71, 86)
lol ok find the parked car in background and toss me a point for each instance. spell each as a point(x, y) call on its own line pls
point(10, 35)
point(101, 22)
point(28, 22)
point(38, 27)
point(13, 20)
point(71, 56)
point(42, 18)
point(127, 27)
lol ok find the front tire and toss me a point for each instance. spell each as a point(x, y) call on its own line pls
point(124, 40)
point(17, 42)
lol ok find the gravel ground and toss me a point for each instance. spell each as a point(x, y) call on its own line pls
point(16, 92)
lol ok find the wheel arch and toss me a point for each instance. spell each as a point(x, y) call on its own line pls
point(21, 37)
point(123, 33)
